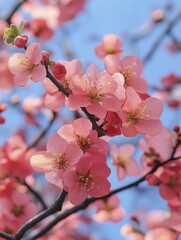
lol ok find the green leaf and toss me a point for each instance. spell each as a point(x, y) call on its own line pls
point(20, 27)
point(14, 30)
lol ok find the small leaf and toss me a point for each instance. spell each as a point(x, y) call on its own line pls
point(20, 27)
point(14, 30)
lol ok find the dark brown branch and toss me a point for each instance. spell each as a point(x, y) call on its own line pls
point(55, 207)
point(169, 26)
point(89, 201)
point(42, 133)
point(6, 236)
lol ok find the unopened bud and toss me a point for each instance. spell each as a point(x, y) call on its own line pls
point(58, 70)
point(176, 129)
point(20, 41)
point(45, 60)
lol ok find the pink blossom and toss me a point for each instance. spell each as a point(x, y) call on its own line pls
point(123, 160)
point(81, 133)
point(131, 68)
point(89, 178)
point(109, 210)
point(27, 66)
point(141, 116)
point(95, 91)
point(59, 158)
point(111, 44)
point(113, 124)
point(160, 233)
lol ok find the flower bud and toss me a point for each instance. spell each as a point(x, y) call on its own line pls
point(58, 70)
point(45, 58)
point(20, 41)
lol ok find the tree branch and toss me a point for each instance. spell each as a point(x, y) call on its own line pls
point(55, 207)
point(89, 201)
point(169, 26)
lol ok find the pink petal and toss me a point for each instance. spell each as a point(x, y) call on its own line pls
point(73, 154)
point(14, 63)
point(133, 63)
point(132, 100)
point(112, 40)
point(54, 102)
point(49, 86)
point(129, 129)
point(97, 110)
point(166, 192)
point(139, 84)
point(154, 108)
point(78, 100)
point(55, 178)
point(132, 168)
point(56, 145)
point(111, 103)
point(101, 188)
point(38, 73)
point(22, 79)
point(70, 178)
point(117, 215)
point(112, 64)
point(82, 126)
point(34, 53)
point(99, 51)
point(93, 72)
point(76, 195)
point(67, 132)
point(151, 127)
point(121, 173)
point(42, 162)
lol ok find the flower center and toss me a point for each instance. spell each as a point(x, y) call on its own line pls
point(61, 162)
point(136, 114)
point(18, 210)
point(109, 49)
point(26, 64)
point(84, 143)
point(86, 181)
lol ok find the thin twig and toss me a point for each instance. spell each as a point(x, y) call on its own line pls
point(169, 26)
point(34, 193)
point(42, 133)
point(8, 19)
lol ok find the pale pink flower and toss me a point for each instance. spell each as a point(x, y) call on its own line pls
point(59, 158)
point(123, 161)
point(160, 233)
point(111, 44)
point(96, 91)
point(81, 133)
point(131, 68)
point(109, 210)
point(26, 66)
point(141, 116)
point(89, 178)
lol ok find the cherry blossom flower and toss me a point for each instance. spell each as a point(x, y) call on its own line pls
point(81, 133)
point(141, 116)
point(89, 178)
point(96, 91)
point(59, 158)
point(131, 68)
point(160, 233)
point(109, 210)
point(27, 66)
point(111, 44)
point(123, 160)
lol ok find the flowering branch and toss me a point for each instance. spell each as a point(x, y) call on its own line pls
point(89, 201)
point(91, 117)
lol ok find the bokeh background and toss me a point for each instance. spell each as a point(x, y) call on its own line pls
point(133, 22)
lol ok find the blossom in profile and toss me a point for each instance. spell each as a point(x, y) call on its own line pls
point(160, 233)
point(131, 69)
point(111, 44)
point(123, 161)
point(26, 66)
point(89, 178)
point(141, 116)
